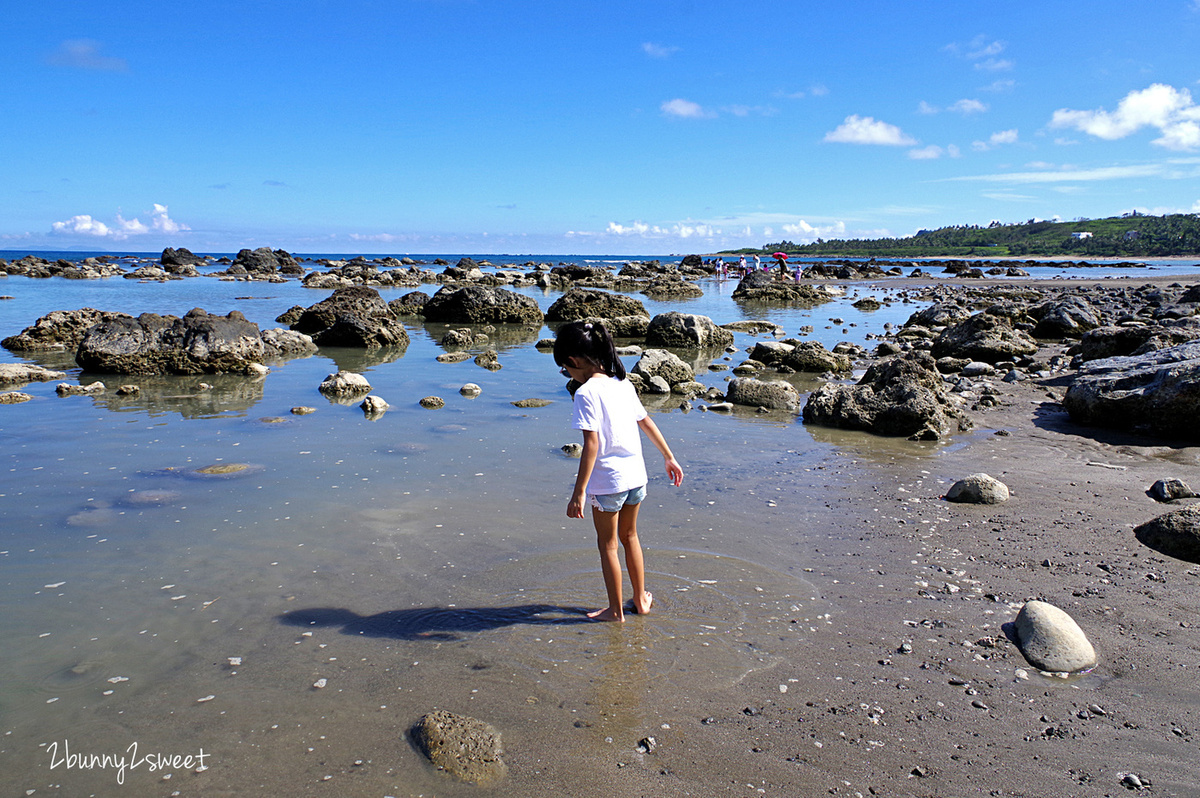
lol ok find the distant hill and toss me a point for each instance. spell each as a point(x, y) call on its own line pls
point(1133, 235)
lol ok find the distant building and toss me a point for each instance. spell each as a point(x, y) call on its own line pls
point(1081, 236)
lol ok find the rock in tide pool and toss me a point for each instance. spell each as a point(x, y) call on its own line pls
point(223, 469)
point(432, 402)
point(14, 398)
point(1168, 490)
point(1175, 534)
point(345, 383)
point(66, 389)
point(24, 373)
point(466, 748)
point(573, 449)
point(374, 406)
point(978, 489)
point(470, 390)
point(531, 403)
point(776, 395)
point(1051, 640)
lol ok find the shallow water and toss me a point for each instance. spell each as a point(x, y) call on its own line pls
point(420, 560)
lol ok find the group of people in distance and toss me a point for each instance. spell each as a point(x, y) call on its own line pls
point(743, 267)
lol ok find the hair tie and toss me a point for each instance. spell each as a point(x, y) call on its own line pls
point(587, 325)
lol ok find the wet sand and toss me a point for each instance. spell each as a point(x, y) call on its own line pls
point(870, 660)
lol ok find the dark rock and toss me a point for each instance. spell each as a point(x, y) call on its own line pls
point(763, 287)
point(686, 331)
point(672, 287)
point(180, 257)
point(263, 260)
point(1159, 390)
point(903, 396)
point(353, 317)
point(1068, 317)
point(464, 747)
point(198, 343)
point(1175, 534)
point(411, 304)
point(59, 330)
point(583, 303)
point(811, 356)
point(1169, 490)
point(480, 304)
point(986, 336)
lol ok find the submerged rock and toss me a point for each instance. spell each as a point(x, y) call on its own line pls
point(1051, 640)
point(464, 747)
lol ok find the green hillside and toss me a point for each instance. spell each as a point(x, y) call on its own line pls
point(1133, 235)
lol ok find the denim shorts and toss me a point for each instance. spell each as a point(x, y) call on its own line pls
point(612, 502)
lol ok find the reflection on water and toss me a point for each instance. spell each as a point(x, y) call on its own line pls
point(427, 552)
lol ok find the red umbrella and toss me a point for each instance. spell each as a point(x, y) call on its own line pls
point(780, 256)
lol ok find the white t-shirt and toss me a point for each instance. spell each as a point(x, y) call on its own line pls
point(611, 409)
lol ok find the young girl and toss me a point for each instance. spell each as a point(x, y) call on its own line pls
point(612, 473)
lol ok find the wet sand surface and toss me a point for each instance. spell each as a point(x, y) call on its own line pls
point(824, 622)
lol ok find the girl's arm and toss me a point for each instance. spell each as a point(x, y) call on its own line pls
point(674, 471)
point(587, 461)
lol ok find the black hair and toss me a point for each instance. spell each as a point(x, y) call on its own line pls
point(588, 341)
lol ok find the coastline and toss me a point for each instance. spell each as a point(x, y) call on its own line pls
point(875, 561)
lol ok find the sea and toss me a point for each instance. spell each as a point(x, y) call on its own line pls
point(197, 569)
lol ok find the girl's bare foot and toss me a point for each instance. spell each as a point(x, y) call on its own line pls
point(606, 614)
point(644, 607)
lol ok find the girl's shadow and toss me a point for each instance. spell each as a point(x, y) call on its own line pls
point(434, 623)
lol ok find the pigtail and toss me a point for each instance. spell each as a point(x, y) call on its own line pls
point(588, 341)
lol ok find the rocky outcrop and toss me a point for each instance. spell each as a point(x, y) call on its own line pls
point(1159, 391)
point(584, 303)
point(671, 287)
point(777, 395)
point(987, 336)
point(411, 304)
point(1137, 339)
point(180, 257)
point(464, 747)
point(59, 330)
point(198, 343)
point(903, 396)
point(24, 373)
point(1066, 317)
point(353, 317)
point(763, 287)
point(686, 331)
point(481, 304)
point(1051, 640)
point(265, 261)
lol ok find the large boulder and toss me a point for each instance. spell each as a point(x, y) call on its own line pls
point(812, 356)
point(939, 314)
point(1159, 390)
point(686, 331)
point(481, 304)
point(180, 257)
point(986, 336)
point(903, 396)
point(1105, 342)
point(978, 489)
point(1175, 534)
point(1051, 640)
point(774, 395)
point(198, 343)
point(59, 330)
point(356, 316)
point(661, 363)
point(464, 747)
point(584, 303)
point(263, 261)
point(763, 287)
point(1068, 317)
point(672, 287)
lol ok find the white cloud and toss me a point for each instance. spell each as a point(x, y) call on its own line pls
point(867, 130)
point(1170, 110)
point(659, 50)
point(750, 229)
point(747, 110)
point(984, 49)
point(930, 153)
point(983, 53)
point(85, 54)
point(925, 108)
point(685, 109)
point(121, 228)
point(994, 65)
point(995, 140)
point(1000, 85)
point(1072, 175)
point(966, 106)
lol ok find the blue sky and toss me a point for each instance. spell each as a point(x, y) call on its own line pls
point(422, 126)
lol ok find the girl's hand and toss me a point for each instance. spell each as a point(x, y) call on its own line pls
point(575, 508)
point(674, 472)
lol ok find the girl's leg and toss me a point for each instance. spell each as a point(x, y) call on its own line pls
point(627, 531)
point(610, 565)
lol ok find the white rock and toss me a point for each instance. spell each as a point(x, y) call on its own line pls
point(978, 489)
point(1051, 640)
